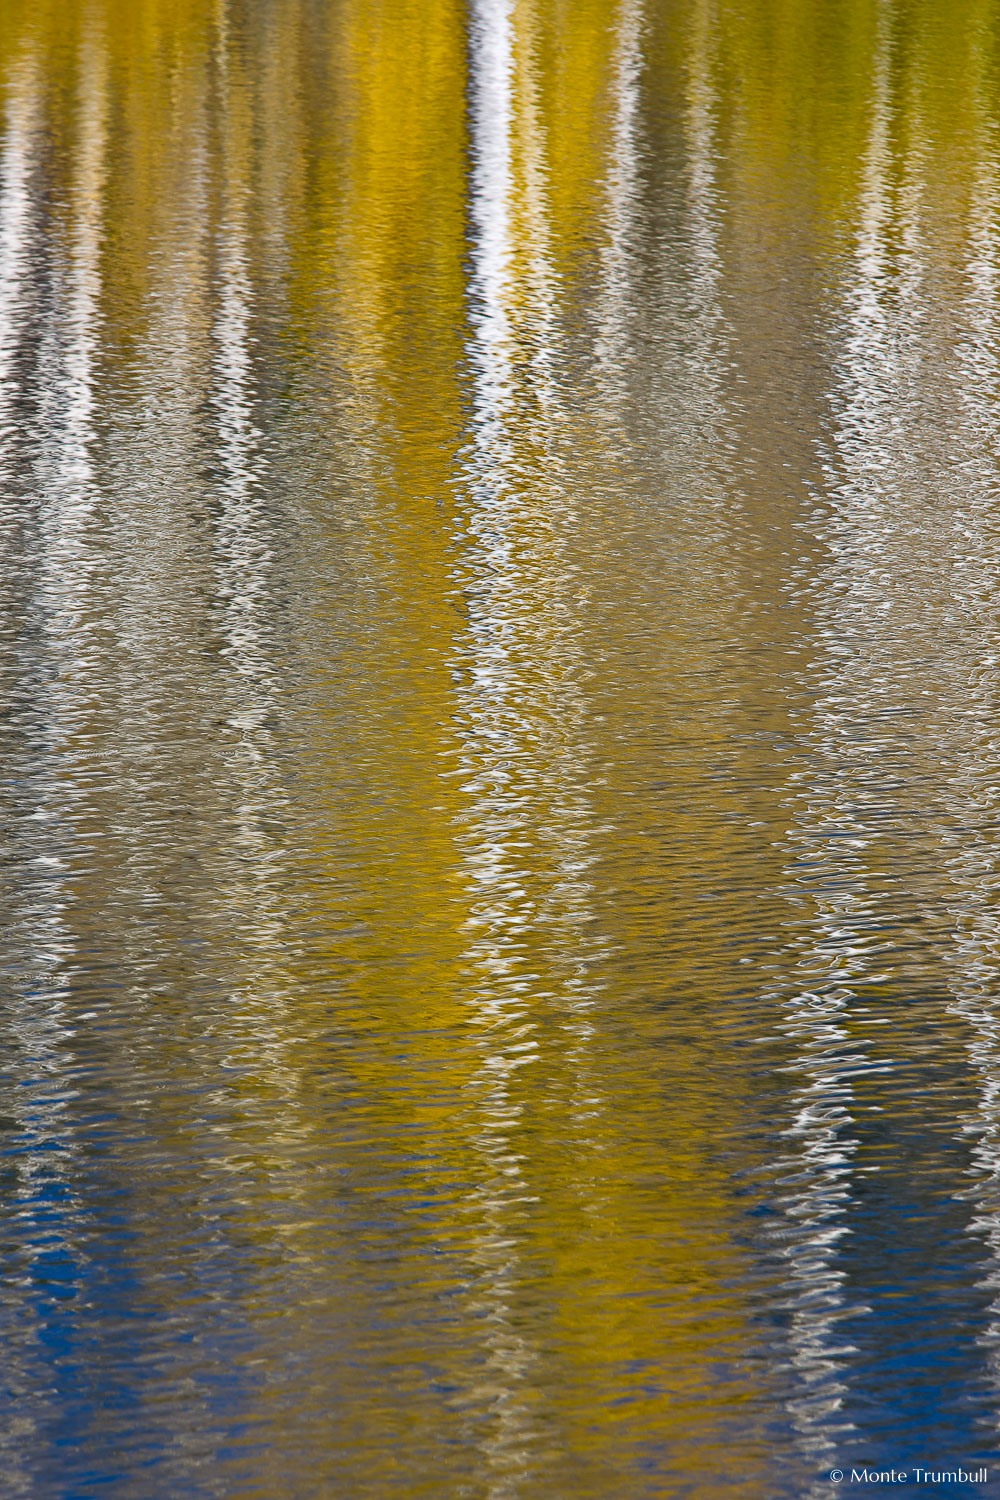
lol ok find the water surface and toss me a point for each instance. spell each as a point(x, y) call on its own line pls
point(499, 672)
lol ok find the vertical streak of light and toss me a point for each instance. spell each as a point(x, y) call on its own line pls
point(622, 189)
point(17, 162)
point(67, 556)
point(702, 194)
point(148, 517)
point(69, 552)
point(20, 234)
point(491, 68)
point(491, 84)
point(71, 491)
point(150, 496)
point(706, 351)
point(822, 1138)
point(244, 558)
point(521, 711)
point(532, 290)
point(58, 582)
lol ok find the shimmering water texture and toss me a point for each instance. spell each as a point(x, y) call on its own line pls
point(500, 747)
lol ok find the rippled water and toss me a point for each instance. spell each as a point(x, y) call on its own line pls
point(500, 750)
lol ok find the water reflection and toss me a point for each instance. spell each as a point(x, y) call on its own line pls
point(524, 834)
point(968, 844)
point(246, 611)
point(51, 662)
point(868, 804)
point(622, 189)
point(498, 671)
point(831, 845)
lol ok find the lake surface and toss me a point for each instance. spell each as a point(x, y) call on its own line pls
point(499, 747)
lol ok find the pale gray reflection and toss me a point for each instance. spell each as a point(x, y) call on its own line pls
point(679, 422)
point(511, 1356)
point(51, 673)
point(521, 714)
point(251, 875)
point(25, 666)
point(70, 533)
point(814, 1183)
point(156, 514)
point(149, 743)
point(622, 187)
point(832, 837)
point(970, 844)
point(18, 210)
point(709, 342)
point(702, 198)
